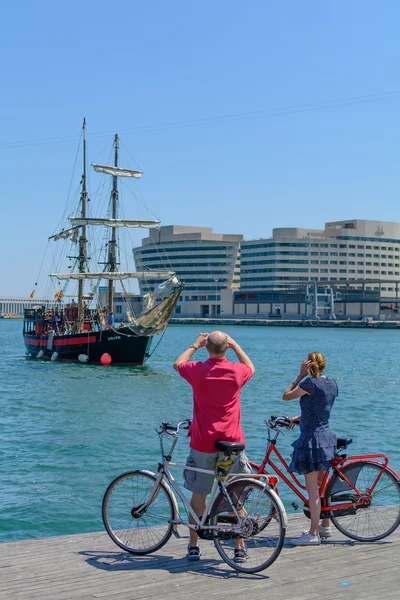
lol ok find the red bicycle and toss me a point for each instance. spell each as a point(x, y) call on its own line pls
point(360, 494)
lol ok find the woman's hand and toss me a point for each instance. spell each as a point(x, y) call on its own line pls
point(294, 421)
point(304, 368)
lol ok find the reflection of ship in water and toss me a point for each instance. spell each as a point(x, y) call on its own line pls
point(86, 330)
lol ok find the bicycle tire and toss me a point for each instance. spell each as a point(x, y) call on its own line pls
point(373, 522)
point(264, 526)
point(140, 533)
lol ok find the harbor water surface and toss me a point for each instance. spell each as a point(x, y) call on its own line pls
point(68, 429)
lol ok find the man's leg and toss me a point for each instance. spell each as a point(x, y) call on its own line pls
point(200, 485)
point(198, 503)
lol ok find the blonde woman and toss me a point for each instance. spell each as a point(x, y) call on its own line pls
point(316, 446)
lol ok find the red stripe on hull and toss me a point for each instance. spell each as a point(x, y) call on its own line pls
point(34, 341)
point(90, 339)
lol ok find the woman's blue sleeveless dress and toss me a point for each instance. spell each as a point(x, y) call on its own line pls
point(316, 445)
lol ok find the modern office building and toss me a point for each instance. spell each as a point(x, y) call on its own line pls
point(362, 254)
point(205, 261)
point(355, 263)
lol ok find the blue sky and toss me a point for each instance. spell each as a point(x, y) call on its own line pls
point(168, 76)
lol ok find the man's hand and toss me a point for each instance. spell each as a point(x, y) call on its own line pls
point(187, 354)
point(242, 356)
point(201, 340)
point(231, 342)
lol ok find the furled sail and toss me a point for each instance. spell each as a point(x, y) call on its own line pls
point(148, 301)
point(164, 289)
point(116, 171)
point(156, 319)
point(72, 234)
point(113, 275)
point(77, 221)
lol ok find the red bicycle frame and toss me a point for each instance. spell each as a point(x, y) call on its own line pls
point(337, 465)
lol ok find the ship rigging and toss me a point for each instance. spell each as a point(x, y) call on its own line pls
point(86, 333)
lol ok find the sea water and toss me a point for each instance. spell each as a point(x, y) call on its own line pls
point(66, 430)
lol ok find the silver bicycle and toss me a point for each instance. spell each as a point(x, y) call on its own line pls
point(140, 511)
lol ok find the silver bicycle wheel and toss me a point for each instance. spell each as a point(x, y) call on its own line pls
point(379, 516)
point(263, 527)
point(133, 526)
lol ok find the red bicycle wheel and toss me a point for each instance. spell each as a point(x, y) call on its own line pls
point(379, 516)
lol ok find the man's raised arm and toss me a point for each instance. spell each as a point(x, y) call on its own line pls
point(188, 353)
point(241, 354)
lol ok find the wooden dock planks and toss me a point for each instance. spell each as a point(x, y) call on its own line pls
point(90, 566)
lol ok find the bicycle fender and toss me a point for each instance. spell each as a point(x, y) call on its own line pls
point(375, 462)
point(351, 470)
point(235, 491)
point(281, 507)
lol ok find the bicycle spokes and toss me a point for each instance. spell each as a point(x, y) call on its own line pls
point(374, 512)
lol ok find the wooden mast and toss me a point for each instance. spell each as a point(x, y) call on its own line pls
point(82, 239)
point(112, 250)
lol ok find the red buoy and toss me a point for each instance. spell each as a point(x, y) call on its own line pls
point(106, 359)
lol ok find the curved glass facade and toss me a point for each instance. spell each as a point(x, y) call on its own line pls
point(205, 261)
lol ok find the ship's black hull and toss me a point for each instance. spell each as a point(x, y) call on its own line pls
point(122, 345)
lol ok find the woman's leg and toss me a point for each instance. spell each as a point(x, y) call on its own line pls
point(315, 501)
point(321, 474)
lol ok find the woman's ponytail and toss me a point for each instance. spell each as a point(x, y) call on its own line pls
point(318, 364)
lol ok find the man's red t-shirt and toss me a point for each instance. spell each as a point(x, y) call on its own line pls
point(216, 387)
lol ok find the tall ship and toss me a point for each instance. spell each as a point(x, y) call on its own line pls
point(81, 327)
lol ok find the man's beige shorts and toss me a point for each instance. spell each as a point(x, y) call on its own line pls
point(201, 483)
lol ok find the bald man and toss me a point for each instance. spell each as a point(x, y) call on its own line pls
point(216, 385)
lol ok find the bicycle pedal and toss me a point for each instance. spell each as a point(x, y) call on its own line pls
point(295, 505)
